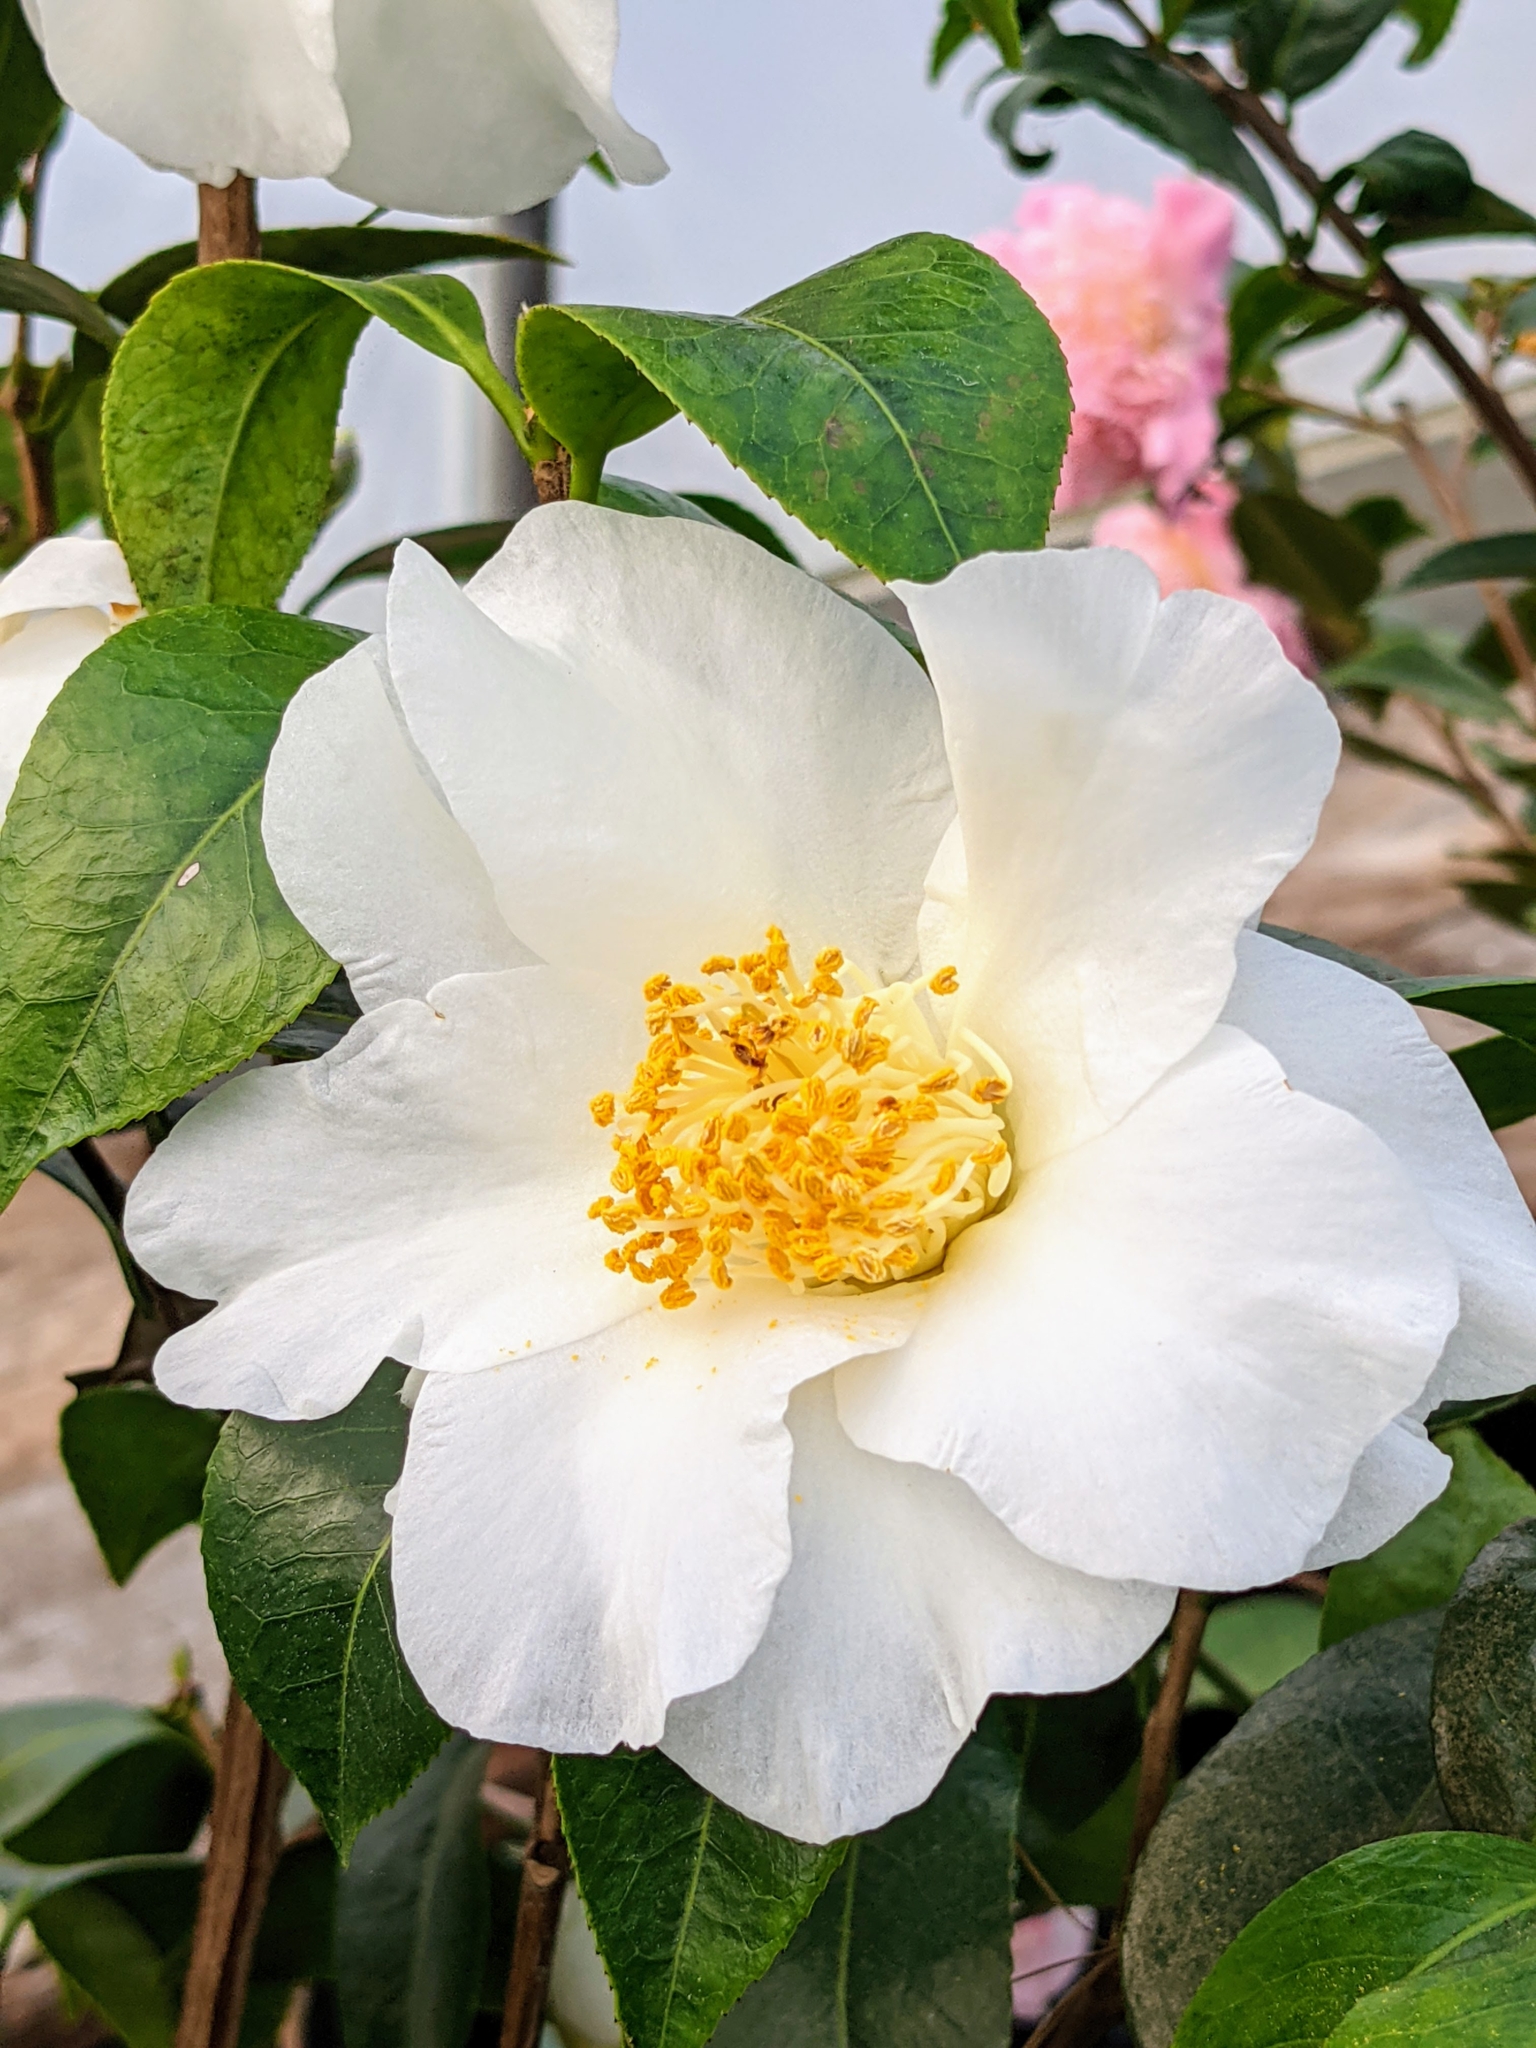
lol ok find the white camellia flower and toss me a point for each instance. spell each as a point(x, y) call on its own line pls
point(441, 106)
point(814, 1343)
point(56, 606)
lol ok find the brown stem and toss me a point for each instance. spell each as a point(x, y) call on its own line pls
point(226, 221)
point(1081, 2017)
point(23, 393)
point(546, 1870)
point(552, 478)
point(242, 1854)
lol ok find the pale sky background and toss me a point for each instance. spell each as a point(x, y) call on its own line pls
point(799, 132)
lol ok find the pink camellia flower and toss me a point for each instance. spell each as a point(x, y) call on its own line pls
point(1192, 548)
point(1137, 299)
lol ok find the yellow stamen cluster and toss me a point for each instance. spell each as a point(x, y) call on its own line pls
point(784, 1128)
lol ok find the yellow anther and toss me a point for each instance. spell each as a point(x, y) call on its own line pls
point(991, 1090)
point(603, 1108)
point(614, 1260)
point(829, 959)
point(945, 983)
point(937, 1084)
point(677, 1294)
point(944, 1179)
point(654, 987)
point(718, 963)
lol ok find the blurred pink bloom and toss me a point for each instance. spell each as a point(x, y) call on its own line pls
point(1048, 1952)
point(1137, 298)
point(1193, 549)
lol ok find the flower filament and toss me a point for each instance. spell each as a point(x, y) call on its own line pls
point(784, 1128)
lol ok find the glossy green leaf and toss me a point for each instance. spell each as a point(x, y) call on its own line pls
point(85, 1778)
point(650, 501)
point(328, 252)
point(1334, 1755)
point(143, 944)
point(413, 1912)
point(1413, 174)
point(1296, 46)
point(586, 389)
point(461, 550)
point(1270, 312)
point(1252, 1644)
point(1484, 1710)
point(1148, 95)
point(1297, 547)
point(690, 1902)
point(1492, 556)
point(1429, 1939)
point(25, 288)
point(1432, 19)
point(1501, 1074)
point(1383, 523)
point(1421, 1566)
point(296, 1549)
point(123, 1934)
point(65, 1171)
point(908, 1945)
point(1407, 661)
point(1077, 1748)
point(29, 106)
point(1484, 213)
point(442, 316)
point(909, 405)
point(136, 1462)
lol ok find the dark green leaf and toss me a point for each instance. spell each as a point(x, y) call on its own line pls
point(461, 550)
point(1485, 213)
point(1486, 650)
point(219, 426)
point(690, 1902)
point(144, 944)
point(29, 106)
point(1492, 556)
point(999, 19)
point(1432, 19)
point(136, 1462)
point(413, 1912)
point(1484, 1712)
point(1413, 174)
point(909, 405)
point(327, 252)
point(1429, 1939)
point(1319, 38)
point(1421, 1566)
point(84, 1778)
point(956, 27)
point(1252, 1644)
point(1367, 749)
point(1336, 1754)
point(1270, 312)
point(908, 1945)
point(24, 288)
point(1501, 1073)
point(1407, 661)
point(740, 520)
point(650, 501)
point(123, 1935)
point(296, 1548)
point(1296, 547)
point(1507, 1002)
point(294, 1944)
point(1383, 523)
point(1077, 1750)
point(1148, 95)
point(65, 1171)
point(442, 316)
point(1086, 1865)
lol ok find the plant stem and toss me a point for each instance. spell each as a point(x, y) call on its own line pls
point(242, 1854)
point(23, 392)
point(226, 221)
point(552, 477)
point(546, 1870)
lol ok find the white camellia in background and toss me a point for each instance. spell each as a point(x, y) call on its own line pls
point(56, 606)
point(815, 1342)
point(439, 106)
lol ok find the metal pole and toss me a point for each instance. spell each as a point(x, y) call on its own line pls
point(522, 282)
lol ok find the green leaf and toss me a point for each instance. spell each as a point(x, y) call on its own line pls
point(442, 316)
point(1501, 1074)
point(123, 1935)
point(1432, 19)
point(326, 252)
point(1484, 213)
point(1408, 661)
point(1485, 650)
point(1296, 547)
point(1484, 1702)
point(24, 288)
point(1078, 1748)
point(1421, 1566)
point(650, 501)
point(1367, 749)
point(84, 1778)
point(136, 1462)
point(908, 1945)
point(1319, 38)
point(413, 1912)
point(1334, 1755)
point(29, 106)
point(143, 944)
point(999, 19)
point(461, 550)
point(219, 423)
point(1492, 556)
point(910, 405)
point(1507, 1002)
point(1383, 523)
point(690, 1902)
point(1146, 94)
point(1413, 174)
point(65, 1171)
point(296, 1549)
point(1428, 1939)
point(1270, 312)
point(1256, 1642)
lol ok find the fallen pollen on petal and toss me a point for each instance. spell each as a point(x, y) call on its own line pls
point(781, 1128)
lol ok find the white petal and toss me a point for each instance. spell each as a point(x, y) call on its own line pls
point(421, 1192)
point(35, 664)
point(370, 862)
point(205, 87)
point(482, 106)
point(906, 1605)
point(68, 571)
point(1399, 1473)
point(1163, 1359)
point(581, 1537)
point(662, 740)
point(1133, 780)
point(1352, 1042)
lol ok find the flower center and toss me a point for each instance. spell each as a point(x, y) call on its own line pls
point(787, 1129)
